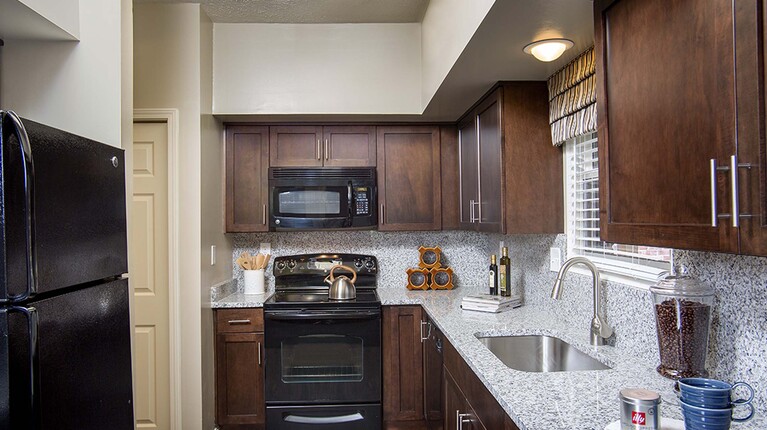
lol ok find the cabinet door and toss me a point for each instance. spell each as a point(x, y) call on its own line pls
point(239, 379)
point(663, 114)
point(490, 158)
point(751, 24)
point(432, 372)
point(295, 146)
point(247, 168)
point(409, 186)
point(349, 146)
point(402, 363)
point(458, 412)
point(468, 168)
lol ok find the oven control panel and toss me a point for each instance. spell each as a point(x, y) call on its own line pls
point(317, 264)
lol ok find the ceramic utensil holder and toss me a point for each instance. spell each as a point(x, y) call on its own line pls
point(254, 281)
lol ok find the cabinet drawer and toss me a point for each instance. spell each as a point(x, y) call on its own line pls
point(239, 320)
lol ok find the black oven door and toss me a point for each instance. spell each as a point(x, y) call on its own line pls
point(310, 206)
point(323, 356)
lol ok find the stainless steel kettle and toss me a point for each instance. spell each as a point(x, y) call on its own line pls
point(341, 287)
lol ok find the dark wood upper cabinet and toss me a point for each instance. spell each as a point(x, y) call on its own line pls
point(665, 113)
point(349, 146)
point(247, 166)
point(239, 370)
point(409, 178)
point(750, 35)
point(316, 146)
point(510, 173)
point(295, 146)
point(402, 363)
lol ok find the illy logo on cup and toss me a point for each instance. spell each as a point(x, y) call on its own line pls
point(638, 418)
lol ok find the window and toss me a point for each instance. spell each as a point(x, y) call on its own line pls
point(640, 264)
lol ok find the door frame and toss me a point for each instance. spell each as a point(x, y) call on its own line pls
point(170, 117)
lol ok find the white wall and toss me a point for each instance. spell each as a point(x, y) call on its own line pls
point(446, 29)
point(167, 75)
point(212, 218)
point(317, 68)
point(75, 86)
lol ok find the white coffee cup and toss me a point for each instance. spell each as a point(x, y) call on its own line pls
point(254, 281)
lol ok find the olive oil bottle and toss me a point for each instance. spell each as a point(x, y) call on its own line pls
point(493, 281)
point(504, 273)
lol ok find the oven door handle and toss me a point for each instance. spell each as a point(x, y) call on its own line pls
point(303, 316)
point(300, 419)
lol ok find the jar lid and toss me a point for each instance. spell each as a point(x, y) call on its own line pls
point(639, 395)
point(682, 285)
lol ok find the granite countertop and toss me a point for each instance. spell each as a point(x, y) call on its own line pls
point(534, 401)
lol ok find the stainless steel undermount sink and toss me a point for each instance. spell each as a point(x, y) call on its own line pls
point(539, 353)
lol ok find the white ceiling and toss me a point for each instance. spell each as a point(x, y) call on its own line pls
point(310, 11)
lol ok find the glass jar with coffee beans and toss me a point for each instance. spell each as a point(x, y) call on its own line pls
point(683, 318)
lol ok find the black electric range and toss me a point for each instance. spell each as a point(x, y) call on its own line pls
point(323, 357)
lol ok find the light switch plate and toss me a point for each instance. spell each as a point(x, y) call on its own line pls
point(265, 248)
point(213, 255)
point(555, 259)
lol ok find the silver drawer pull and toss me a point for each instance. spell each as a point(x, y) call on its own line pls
point(300, 419)
point(239, 322)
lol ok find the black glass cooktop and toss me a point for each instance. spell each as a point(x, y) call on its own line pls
point(309, 298)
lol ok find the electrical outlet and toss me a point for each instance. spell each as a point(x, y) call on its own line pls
point(555, 259)
point(265, 248)
point(213, 255)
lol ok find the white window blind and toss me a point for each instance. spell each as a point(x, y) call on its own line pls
point(643, 263)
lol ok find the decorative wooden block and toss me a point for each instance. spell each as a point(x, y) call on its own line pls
point(430, 257)
point(442, 278)
point(418, 279)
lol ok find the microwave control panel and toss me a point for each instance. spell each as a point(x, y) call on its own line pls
point(362, 201)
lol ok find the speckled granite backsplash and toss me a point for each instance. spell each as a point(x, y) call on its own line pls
point(396, 252)
point(738, 340)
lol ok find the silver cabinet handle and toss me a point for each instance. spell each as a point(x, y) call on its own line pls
point(734, 185)
point(319, 157)
point(460, 419)
point(472, 217)
point(28, 166)
point(263, 214)
point(259, 354)
point(239, 322)
point(383, 218)
point(428, 332)
point(712, 173)
point(327, 150)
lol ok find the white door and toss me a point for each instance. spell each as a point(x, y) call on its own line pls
point(149, 275)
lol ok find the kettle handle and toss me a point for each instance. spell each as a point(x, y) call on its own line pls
point(354, 272)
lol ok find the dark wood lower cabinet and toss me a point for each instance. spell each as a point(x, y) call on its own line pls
point(402, 364)
point(420, 392)
point(239, 370)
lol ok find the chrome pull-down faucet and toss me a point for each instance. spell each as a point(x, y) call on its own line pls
point(599, 328)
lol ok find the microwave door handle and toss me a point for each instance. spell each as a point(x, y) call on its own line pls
point(350, 199)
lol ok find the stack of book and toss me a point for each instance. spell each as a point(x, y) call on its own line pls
point(490, 303)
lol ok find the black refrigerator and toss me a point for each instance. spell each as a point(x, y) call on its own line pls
point(65, 351)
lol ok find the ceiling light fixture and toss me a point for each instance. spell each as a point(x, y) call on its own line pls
point(548, 49)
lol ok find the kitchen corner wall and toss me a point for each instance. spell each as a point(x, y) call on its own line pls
point(738, 340)
point(396, 252)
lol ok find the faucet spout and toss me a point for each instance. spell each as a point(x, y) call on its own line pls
point(600, 330)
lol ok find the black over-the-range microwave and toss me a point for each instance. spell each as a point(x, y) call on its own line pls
point(322, 198)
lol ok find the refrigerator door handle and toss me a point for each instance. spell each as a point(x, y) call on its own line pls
point(34, 361)
point(10, 118)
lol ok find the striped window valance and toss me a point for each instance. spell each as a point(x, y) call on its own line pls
point(572, 99)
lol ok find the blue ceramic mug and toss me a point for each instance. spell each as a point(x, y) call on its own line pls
point(712, 393)
point(697, 418)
